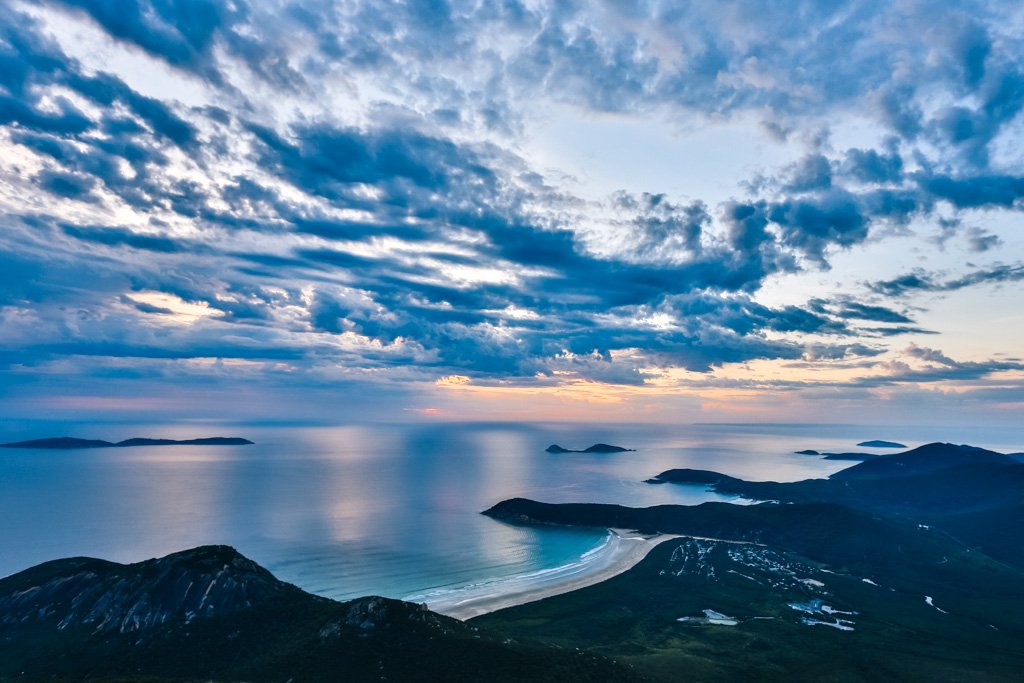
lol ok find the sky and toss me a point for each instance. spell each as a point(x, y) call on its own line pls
point(607, 211)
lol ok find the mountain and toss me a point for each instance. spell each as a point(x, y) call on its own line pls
point(596, 448)
point(801, 592)
point(927, 458)
point(68, 443)
point(109, 597)
point(877, 443)
point(973, 493)
point(211, 614)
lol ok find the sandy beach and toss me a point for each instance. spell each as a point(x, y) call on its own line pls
point(621, 551)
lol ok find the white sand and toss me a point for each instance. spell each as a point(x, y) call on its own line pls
point(622, 551)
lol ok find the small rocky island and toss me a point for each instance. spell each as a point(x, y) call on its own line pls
point(71, 443)
point(596, 448)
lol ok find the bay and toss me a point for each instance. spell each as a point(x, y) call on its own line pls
point(381, 509)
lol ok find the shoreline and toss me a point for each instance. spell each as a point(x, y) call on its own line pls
point(622, 550)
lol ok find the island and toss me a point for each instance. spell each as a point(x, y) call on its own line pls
point(596, 448)
point(880, 444)
point(71, 443)
point(839, 456)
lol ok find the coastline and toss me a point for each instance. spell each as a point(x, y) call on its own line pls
point(621, 551)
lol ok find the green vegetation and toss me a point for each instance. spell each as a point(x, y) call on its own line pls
point(896, 634)
point(875, 574)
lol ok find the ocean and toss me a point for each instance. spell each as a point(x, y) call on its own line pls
point(381, 509)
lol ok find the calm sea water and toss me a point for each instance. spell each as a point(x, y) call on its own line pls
point(383, 509)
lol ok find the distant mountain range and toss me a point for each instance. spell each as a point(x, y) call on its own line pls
point(596, 448)
point(71, 443)
point(212, 614)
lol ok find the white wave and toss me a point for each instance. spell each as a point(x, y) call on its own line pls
point(500, 583)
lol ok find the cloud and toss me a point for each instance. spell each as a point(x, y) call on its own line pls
point(979, 241)
point(811, 225)
point(112, 236)
point(68, 185)
point(931, 282)
point(870, 166)
point(880, 314)
point(183, 33)
point(975, 191)
point(354, 188)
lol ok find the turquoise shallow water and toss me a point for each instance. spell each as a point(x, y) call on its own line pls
point(389, 510)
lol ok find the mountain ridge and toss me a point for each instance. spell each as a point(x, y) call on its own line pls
point(210, 613)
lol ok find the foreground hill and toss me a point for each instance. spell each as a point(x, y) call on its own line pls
point(799, 592)
point(973, 493)
point(212, 614)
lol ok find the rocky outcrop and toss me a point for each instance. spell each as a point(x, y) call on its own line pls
point(106, 596)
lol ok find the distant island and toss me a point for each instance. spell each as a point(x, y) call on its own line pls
point(840, 456)
point(880, 444)
point(596, 448)
point(71, 443)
